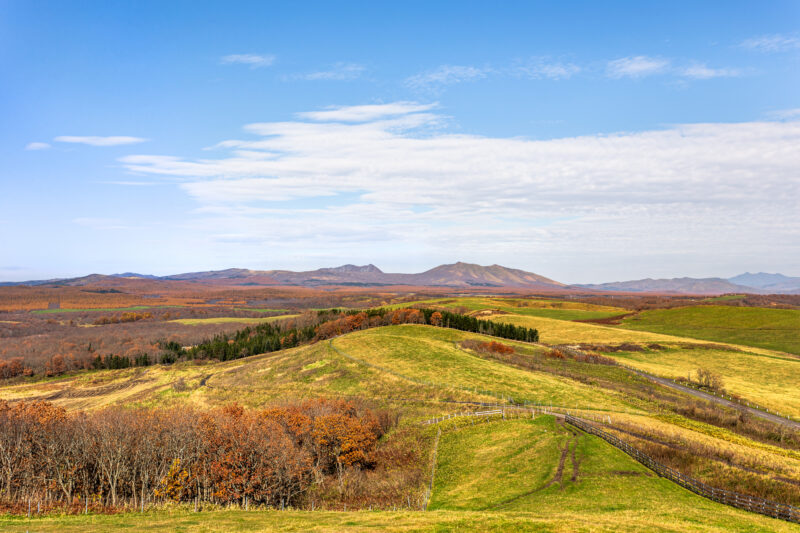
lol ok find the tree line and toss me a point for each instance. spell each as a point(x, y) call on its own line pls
point(266, 337)
point(137, 457)
point(270, 337)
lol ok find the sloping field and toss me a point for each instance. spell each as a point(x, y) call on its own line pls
point(517, 475)
point(553, 331)
point(769, 381)
point(559, 309)
point(420, 353)
point(774, 329)
point(763, 377)
point(432, 355)
point(543, 467)
point(307, 371)
point(500, 476)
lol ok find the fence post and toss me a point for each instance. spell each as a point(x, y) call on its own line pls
point(723, 496)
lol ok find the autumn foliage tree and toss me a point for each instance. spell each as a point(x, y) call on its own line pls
point(131, 457)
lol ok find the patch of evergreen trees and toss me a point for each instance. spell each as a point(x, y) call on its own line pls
point(253, 340)
point(271, 337)
point(485, 327)
point(114, 362)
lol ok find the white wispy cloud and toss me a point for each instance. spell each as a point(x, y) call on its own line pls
point(701, 71)
point(772, 43)
point(446, 75)
point(544, 68)
point(380, 179)
point(37, 146)
point(118, 140)
point(636, 66)
point(785, 114)
point(363, 113)
point(337, 72)
point(253, 60)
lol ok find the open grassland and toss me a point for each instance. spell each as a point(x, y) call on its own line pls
point(402, 521)
point(229, 319)
point(432, 355)
point(494, 476)
point(558, 309)
point(769, 381)
point(553, 470)
point(552, 331)
point(408, 351)
point(734, 448)
point(764, 377)
point(774, 329)
point(514, 475)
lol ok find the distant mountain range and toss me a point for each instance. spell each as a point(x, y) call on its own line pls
point(463, 275)
point(455, 275)
point(746, 283)
point(768, 282)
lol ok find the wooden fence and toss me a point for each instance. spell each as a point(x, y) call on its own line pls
point(734, 499)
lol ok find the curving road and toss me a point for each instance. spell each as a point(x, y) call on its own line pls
point(721, 401)
point(700, 394)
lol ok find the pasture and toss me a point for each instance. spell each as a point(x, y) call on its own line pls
point(557, 470)
point(773, 329)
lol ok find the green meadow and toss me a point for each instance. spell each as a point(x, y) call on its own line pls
point(773, 329)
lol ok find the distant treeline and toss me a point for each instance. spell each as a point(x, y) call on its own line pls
point(271, 337)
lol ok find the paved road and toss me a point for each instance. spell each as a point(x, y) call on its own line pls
point(705, 396)
point(722, 401)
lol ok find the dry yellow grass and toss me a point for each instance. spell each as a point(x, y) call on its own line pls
point(229, 319)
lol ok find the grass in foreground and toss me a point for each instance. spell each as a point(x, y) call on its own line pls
point(541, 466)
point(399, 521)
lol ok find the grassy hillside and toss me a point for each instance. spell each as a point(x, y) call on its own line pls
point(432, 355)
point(406, 354)
point(763, 377)
point(559, 309)
point(499, 476)
point(554, 331)
point(774, 329)
point(490, 477)
point(766, 380)
point(553, 470)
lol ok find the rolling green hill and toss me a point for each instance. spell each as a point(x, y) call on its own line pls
point(501, 476)
point(774, 329)
point(560, 471)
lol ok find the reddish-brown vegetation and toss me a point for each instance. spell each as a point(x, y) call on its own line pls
point(124, 457)
point(487, 347)
point(124, 317)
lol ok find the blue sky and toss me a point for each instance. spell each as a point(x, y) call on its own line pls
point(583, 141)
